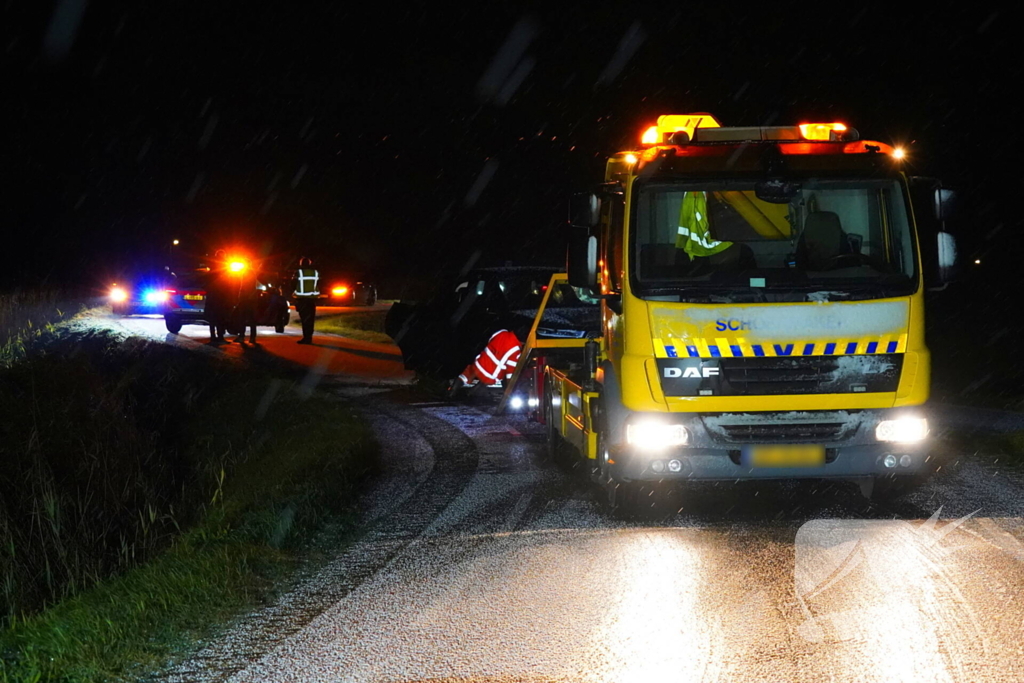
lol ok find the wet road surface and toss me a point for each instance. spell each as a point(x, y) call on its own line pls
point(331, 356)
point(483, 560)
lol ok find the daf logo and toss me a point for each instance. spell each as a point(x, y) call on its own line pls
point(694, 373)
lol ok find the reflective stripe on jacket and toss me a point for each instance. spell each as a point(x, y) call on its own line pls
point(499, 358)
point(307, 281)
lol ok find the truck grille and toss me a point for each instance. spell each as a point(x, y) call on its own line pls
point(780, 375)
point(812, 374)
point(813, 432)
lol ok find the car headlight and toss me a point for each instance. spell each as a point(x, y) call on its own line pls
point(652, 436)
point(903, 430)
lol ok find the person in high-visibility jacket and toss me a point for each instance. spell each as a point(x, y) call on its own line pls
point(304, 296)
point(496, 362)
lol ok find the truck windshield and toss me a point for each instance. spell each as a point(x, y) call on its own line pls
point(846, 238)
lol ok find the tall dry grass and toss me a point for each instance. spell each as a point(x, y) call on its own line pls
point(98, 471)
point(25, 313)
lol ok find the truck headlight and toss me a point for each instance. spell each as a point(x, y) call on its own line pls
point(652, 436)
point(117, 294)
point(903, 430)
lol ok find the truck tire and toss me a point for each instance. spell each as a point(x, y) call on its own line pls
point(556, 446)
point(173, 323)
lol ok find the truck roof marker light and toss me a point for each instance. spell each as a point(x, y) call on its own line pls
point(651, 136)
point(668, 124)
point(236, 266)
point(821, 131)
point(899, 153)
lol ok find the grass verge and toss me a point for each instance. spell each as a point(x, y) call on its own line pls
point(150, 494)
point(25, 314)
point(366, 326)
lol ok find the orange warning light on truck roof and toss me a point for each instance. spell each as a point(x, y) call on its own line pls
point(675, 123)
point(821, 131)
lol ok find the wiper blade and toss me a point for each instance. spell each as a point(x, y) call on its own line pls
point(827, 295)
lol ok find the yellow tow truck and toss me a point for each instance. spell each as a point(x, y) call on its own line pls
point(761, 312)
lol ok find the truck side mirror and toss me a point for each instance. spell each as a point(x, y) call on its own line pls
point(584, 216)
point(947, 261)
point(946, 203)
point(582, 258)
point(945, 252)
point(934, 205)
point(584, 210)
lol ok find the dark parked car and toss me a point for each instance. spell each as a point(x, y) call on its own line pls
point(187, 298)
point(346, 293)
point(442, 335)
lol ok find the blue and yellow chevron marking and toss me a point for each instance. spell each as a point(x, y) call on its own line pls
point(740, 348)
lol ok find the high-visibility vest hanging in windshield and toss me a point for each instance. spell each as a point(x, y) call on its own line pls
point(694, 236)
point(306, 282)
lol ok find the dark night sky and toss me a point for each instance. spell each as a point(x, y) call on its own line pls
point(398, 141)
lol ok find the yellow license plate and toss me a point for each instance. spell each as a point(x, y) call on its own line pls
point(193, 297)
point(786, 455)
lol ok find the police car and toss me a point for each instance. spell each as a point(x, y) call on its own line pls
point(141, 294)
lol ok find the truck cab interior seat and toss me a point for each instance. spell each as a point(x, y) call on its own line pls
point(821, 241)
point(660, 261)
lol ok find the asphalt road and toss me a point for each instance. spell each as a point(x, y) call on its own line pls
point(484, 561)
point(330, 357)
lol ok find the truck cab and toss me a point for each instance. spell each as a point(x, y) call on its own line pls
point(762, 309)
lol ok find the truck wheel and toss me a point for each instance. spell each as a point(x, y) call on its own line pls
point(173, 324)
point(555, 444)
